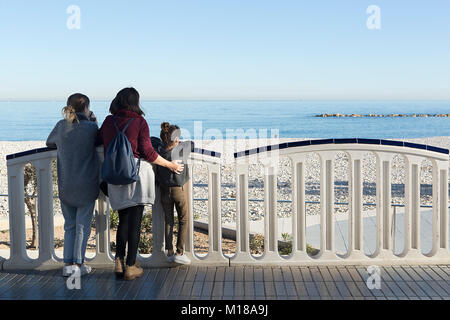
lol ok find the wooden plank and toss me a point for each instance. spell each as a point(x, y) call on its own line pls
point(186, 290)
point(164, 291)
point(210, 274)
point(405, 276)
point(259, 290)
point(427, 289)
point(412, 273)
point(228, 289)
point(444, 285)
point(325, 274)
point(345, 275)
point(315, 274)
point(311, 289)
point(197, 289)
point(355, 274)
point(437, 288)
point(269, 289)
point(335, 274)
point(178, 282)
point(343, 289)
point(218, 289)
point(239, 288)
point(280, 290)
point(220, 274)
point(155, 280)
point(423, 275)
point(446, 269)
point(137, 284)
point(306, 274)
point(362, 287)
point(277, 274)
point(301, 289)
point(418, 292)
point(268, 274)
point(353, 289)
point(291, 291)
point(201, 274)
point(229, 274)
point(238, 274)
point(393, 274)
point(249, 289)
point(398, 292)
point(207, 289)
point(248, 274)
point(428, 270)
point(258, 274)
point(191, 273)
point(287, 274)
point(323, 290)
point(296, 274)
point(440, 272)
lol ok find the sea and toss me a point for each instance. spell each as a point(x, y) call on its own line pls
point(33, 120)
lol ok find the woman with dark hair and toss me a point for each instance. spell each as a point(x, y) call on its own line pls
point(130, 199)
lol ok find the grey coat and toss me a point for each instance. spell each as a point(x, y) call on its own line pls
point(78, 164)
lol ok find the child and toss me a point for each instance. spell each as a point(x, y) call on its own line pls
point(174, 189)
point(78, 178)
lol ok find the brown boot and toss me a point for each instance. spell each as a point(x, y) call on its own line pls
point(119, 266)
point(133, 272)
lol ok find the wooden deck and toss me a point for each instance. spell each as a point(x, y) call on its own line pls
point(234, 283)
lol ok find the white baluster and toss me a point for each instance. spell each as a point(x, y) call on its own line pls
point(189, 244)
point(440, 210)
point(45, 212)
point(242, 229)
point(215, 255)
point(383, 210)
point(412, 208)
point(355, 191)
point(158, 257)
point(18, 257)
point(327, 206)
point(270, 212)
point(298, 210)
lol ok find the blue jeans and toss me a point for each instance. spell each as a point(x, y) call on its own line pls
point(77, 228)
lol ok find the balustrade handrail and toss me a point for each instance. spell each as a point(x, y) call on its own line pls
point(327, 149)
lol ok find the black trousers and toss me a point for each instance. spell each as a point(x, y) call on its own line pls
point(129, 230)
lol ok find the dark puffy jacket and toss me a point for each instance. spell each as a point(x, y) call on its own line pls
point(181, 152)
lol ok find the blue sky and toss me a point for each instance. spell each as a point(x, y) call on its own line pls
point(226, 49)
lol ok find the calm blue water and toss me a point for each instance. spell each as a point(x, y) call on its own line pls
point(293, 119)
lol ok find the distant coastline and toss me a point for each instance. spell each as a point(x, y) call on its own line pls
point(392, 115)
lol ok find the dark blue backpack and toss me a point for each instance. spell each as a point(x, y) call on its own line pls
point(119, 167)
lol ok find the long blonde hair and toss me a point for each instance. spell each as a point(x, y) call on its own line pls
point(77, 102)
point(69, 114)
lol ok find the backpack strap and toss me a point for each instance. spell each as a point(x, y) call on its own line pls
point(126, 126)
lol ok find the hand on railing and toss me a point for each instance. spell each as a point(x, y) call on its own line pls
point(177, 166)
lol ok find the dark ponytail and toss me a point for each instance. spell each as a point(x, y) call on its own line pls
point(169, 132)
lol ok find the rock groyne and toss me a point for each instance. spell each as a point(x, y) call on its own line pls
point(394, 115)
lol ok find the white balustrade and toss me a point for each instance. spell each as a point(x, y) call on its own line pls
point(383, 254)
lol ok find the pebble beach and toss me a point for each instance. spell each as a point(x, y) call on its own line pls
point(256, 177)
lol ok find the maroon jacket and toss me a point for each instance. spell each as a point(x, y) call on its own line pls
point(137, 133)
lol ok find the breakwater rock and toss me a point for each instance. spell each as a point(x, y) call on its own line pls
point(393, 115)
